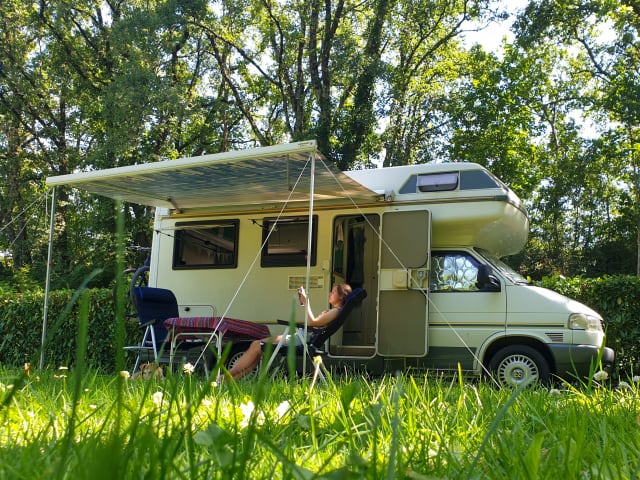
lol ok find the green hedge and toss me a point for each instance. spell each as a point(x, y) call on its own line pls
point(21, 317)
point(616, 298)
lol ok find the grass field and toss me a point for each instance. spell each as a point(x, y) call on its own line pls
point(59, 424)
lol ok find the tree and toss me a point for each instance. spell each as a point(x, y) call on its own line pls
point(613, 66)
point(101, 84)
point(89, 84)
point(420, 79)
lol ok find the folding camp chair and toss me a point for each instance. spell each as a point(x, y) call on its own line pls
point(154, 306)
point(317, 337)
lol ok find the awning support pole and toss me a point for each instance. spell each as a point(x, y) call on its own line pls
point(309, 246)
point(45, 312)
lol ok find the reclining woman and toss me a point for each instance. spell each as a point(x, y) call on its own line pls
point(250, 359)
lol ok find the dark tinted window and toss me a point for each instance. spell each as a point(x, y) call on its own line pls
point(409, 186)
point(286, 246)
point(206, 245)
point(474, 179)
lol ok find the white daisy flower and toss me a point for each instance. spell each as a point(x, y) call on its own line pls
point(157, 399)
point(282, 409)
point(600, 376)
point(188, 368)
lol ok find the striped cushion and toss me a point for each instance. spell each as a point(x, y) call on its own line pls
point(228, 327)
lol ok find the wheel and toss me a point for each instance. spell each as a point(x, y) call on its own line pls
point(519, 364)
point(140, 277)
point(132, 277)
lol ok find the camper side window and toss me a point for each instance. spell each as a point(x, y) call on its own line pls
point(453, 271)
point(285, 241)
point(205, 244)
point(478, 179)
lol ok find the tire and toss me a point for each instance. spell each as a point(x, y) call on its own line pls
point(140, 277)
point(133, 277)
point(515, 365)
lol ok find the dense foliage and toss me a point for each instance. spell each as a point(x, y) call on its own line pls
point(90, 84)
point(21, 319)
point(614, 297)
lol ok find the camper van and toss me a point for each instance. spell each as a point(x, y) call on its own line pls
point(244, 230)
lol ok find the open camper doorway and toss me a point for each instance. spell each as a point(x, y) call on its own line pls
point(355, 261)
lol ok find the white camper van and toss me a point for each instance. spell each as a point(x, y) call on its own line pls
point(243, 230)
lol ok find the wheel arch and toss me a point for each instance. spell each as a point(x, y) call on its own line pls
point(505, 341)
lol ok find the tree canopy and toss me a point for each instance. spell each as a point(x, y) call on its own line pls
point(90, 84)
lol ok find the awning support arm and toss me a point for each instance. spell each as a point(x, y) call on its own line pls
point(309, 246)
point(45, 313)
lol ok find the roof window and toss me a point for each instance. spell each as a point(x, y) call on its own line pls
point(438, 182)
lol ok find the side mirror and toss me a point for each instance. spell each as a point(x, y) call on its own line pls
point(487, 281)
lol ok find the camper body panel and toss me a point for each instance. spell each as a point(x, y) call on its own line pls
point(246, 291)
point(271, 285)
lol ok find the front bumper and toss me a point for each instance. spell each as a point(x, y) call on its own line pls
point(579, 361)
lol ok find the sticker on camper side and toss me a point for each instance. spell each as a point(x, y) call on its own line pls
point(315, 281)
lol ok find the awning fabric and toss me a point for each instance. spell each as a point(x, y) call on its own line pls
point(242, 177)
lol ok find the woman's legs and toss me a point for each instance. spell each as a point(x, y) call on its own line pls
point(251, 357)
point(248, 361)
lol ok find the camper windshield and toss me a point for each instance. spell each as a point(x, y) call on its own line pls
point(505, 269)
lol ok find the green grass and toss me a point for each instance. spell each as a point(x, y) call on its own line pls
point(81, 424)
point(67, 424)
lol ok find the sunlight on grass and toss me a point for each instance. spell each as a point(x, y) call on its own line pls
point(185, 426)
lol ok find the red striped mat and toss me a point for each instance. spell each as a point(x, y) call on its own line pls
point(228, 327)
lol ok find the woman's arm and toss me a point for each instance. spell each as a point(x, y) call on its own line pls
point(321, 320)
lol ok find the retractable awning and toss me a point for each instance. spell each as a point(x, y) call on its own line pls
point(242, 177)
point(277, 174)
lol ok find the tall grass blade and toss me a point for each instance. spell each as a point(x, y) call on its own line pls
point(79, 368)
point(395, 429)
point(494, 425)
point(122, 290)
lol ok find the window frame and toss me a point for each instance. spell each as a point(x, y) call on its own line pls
point(178, 243)
point(275, 260)
point(452, 253)
point(438, 182)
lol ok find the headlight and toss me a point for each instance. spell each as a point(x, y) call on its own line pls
point(581, 321)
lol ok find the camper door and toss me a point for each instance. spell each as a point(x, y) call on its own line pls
point(404, 283)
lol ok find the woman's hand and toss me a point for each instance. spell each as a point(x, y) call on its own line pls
point(302, 296)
